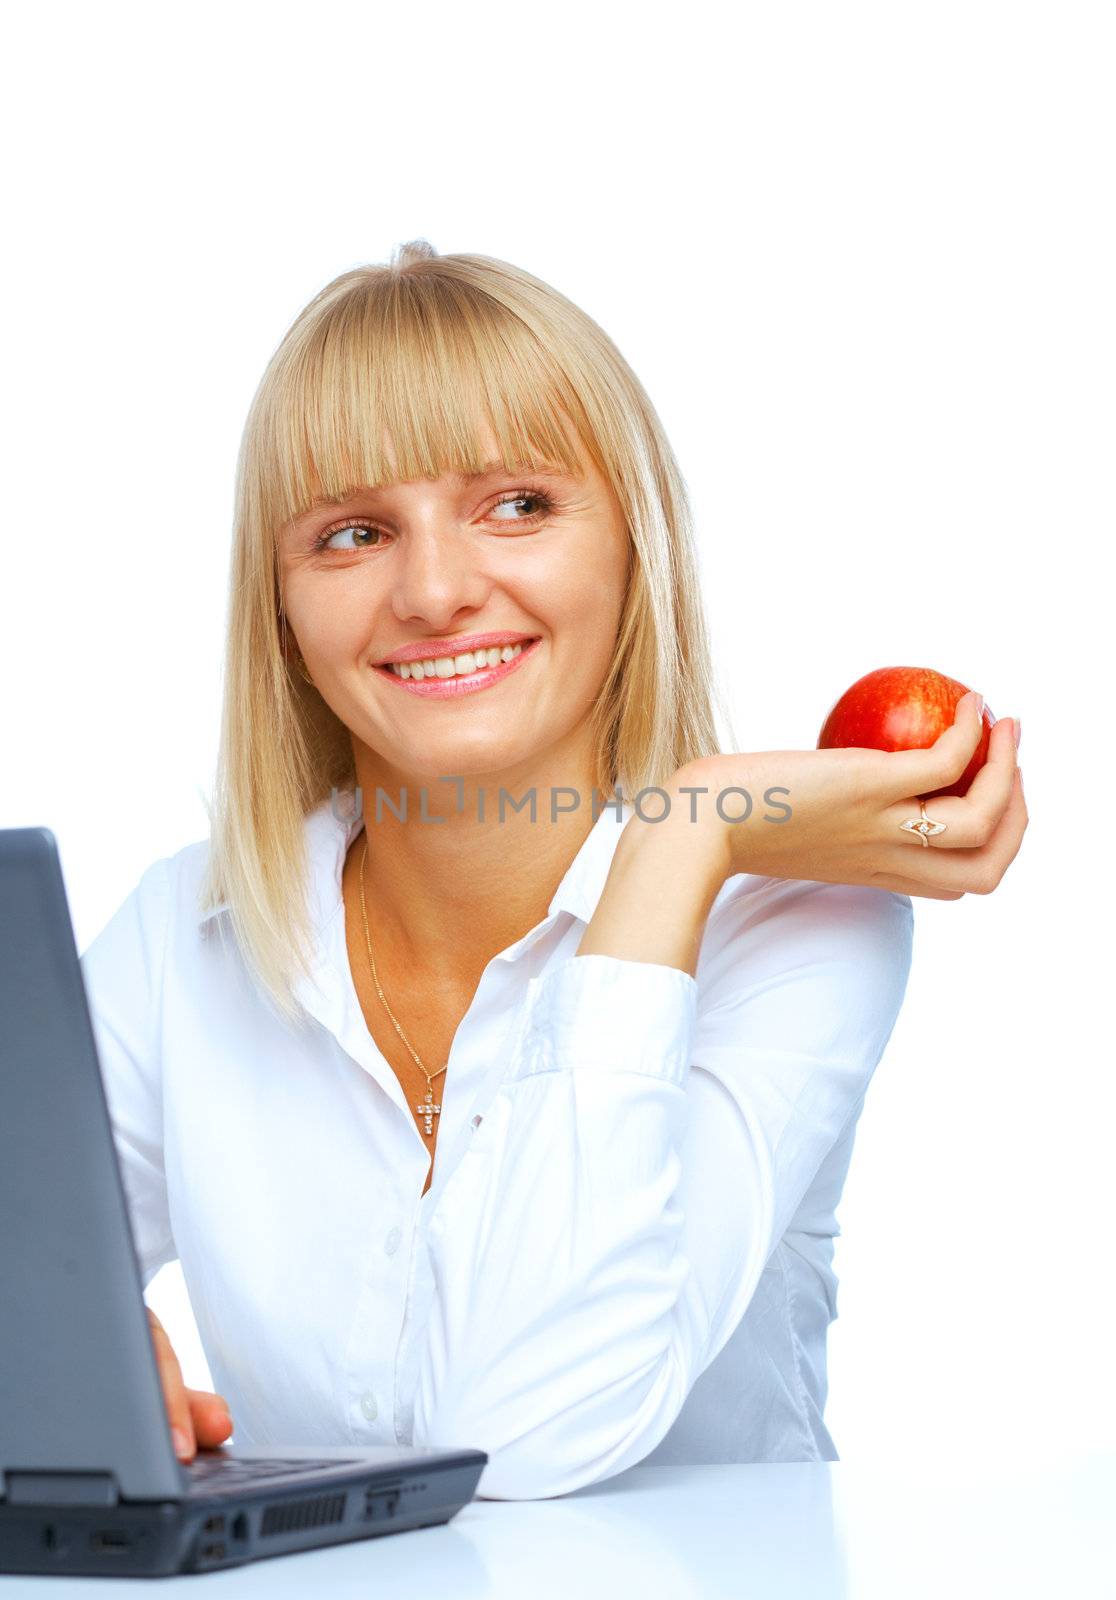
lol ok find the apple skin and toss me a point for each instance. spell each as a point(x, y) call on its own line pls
point(902, 708)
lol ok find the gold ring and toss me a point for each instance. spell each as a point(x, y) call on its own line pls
point(922, 825)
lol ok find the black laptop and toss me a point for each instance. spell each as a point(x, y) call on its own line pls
point(89, 1481)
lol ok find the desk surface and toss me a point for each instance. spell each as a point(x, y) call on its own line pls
point(810, 1531)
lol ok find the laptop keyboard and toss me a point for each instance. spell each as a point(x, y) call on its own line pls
point(213, 1471)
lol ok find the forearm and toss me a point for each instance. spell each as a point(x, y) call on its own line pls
point(660, 888)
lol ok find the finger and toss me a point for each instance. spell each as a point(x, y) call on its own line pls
point(970, 819)
point(174, 1390)
point(988, 865)
point(976, 871)
point(943, 762)
point(210, 1413)
point(1003, 847)
point(991, 789)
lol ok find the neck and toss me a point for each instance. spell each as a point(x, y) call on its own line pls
point(451, 881)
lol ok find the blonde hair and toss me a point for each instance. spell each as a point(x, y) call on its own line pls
point(415, 352)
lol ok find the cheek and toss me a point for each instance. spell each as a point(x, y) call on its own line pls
point(584, 590)
point(330, 619)
point(583, 621)
point(584, 628)
point(602, 590)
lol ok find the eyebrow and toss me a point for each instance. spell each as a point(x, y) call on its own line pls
point(491, 469)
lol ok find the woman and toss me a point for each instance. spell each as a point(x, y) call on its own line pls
point(480, 1106)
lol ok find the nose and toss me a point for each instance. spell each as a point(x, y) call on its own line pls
point(435, 577)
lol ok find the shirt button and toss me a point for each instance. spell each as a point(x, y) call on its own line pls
point(391, 1243)
point(368, 1405)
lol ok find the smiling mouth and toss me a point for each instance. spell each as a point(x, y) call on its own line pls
point(466, 665)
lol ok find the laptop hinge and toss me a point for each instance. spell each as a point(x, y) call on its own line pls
point(60, 1488)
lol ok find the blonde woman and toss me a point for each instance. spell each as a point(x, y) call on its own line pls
point(482, 1104)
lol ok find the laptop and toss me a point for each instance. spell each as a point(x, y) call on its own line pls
point(89, 1480)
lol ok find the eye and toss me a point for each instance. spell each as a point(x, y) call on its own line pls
point(322, 542)
point(521, 495)
point(544, 501)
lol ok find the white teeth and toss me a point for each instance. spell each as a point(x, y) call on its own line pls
point(456, 666)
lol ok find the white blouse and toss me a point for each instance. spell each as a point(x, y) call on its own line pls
point(625, 1252)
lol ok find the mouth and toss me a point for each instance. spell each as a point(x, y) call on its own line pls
point(477, 645)
point(481, 669)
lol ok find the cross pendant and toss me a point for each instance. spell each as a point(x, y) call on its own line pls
point(429, 1111)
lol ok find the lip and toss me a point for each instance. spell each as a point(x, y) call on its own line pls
point(451, 688)
point(424, 649)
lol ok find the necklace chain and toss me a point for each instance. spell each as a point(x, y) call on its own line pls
point(427, 1107)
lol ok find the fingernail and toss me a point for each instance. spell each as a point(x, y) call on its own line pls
point(181, 1443)
point(1018, 732)
point(978, 704)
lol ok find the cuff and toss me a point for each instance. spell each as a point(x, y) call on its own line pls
point(609, 1014)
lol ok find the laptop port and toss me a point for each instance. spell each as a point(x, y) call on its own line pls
point(240, 1526)
point(109, 1539)
point(212, 1552)
point(213, 1525)
point(381, 1506)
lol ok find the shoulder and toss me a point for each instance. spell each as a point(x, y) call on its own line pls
point(166, 892)
point(178, 880)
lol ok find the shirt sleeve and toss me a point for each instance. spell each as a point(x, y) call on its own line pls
point(607, 1227)
point(122, 972)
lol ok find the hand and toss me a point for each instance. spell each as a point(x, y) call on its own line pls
point(846, 807)
point(201, 1417)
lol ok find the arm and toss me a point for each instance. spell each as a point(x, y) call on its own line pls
point(607, 1227)
point(662, 883)
point(123, 973)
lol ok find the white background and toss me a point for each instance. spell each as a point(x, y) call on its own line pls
point(862, 257)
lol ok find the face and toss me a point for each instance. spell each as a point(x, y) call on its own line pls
point(428, 562)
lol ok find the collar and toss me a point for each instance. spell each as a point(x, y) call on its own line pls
point(333, 825)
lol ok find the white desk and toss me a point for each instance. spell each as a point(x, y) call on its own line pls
point(898, 1531)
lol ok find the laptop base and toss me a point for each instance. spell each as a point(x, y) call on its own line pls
point(204, 1532)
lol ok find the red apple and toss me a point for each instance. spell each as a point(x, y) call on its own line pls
point(902, 708)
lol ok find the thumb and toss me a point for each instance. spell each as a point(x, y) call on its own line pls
point(954, 746)
point(968, 720)
point(943, 762)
